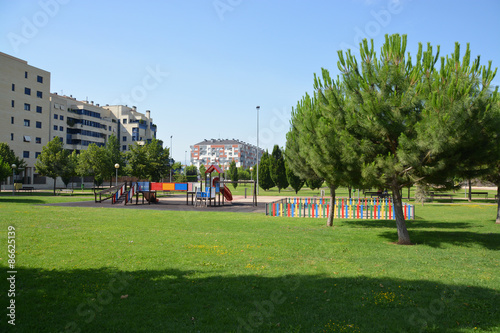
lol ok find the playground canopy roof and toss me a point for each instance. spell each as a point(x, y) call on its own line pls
point(213, 168)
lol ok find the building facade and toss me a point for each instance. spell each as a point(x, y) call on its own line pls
point(223, 152)
point(133, 127)
point(32, 116)
point(24, 111)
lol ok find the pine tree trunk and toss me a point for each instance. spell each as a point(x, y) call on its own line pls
point(350, 190)
point(55, 185)
point(329, 222)
point(470, 187)
point(403, 236)
point(498, 205)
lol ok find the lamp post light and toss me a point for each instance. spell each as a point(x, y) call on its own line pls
point(258, 108)
point(251, 173)
point(13, 183)
point(117, 166)
point(185, 161)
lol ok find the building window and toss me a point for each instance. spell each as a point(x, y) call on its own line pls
point(38, 124)
point(56, 116)
point(39, 94)
point(26, 154)
point(55, 127)
point(12, 103)
point(12, 120)
point(61, 128)
point(27, 91)
point(124, 147)
point(124, 139)
point(38, 140)
point(37, 154)
point(39, 79)
point(61, 117)
point(13, 87)
point(39, 109)
point(27, 107)
point(27, 138)
point(11, 136)
point(124, 121)
point(25, 75)
point(26, 122)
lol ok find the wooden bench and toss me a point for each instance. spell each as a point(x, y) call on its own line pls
point(377, 194)
point(27, 189)
point(480, 193)
point(64, 190)
point(441, 195)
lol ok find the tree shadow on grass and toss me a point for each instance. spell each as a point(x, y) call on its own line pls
point(411, 224)
point(438, 238)
point(20, 199)
point(104, 300)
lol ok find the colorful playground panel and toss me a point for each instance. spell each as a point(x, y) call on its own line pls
point(189, 187)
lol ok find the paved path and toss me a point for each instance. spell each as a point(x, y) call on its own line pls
point(178, 203)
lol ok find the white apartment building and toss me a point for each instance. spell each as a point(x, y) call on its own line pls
point(32, 116)
point(80, 123)
point(223, 151)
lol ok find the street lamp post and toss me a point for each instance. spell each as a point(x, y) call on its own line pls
point(185, 161)
point(13, 183)
point(117, 166)
point(258, 108)
point(170, 162)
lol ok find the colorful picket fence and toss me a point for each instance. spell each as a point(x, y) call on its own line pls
point(366, 208)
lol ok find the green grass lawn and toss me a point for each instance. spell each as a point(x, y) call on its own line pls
point(110, 270)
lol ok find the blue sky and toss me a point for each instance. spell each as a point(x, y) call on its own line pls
point(202, 67)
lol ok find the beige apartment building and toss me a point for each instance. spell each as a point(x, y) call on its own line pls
point(133, 127)
point(31, 116)
point(24, 111)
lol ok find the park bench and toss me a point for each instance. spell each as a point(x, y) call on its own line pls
point(480, 193)
point(441, 195)
point(64, 190)
point(377, 194)
point(27, 189)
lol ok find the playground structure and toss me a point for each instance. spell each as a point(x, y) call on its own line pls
point(214, 187)
point(215, 193)
point(365, 208)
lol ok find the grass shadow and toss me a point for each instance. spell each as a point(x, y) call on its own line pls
point(20, 199)
point(438, 238)
point(172, 300)
point(411, 224)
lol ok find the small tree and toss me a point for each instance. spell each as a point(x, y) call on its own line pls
point(68, 171)
point(202, 171)
point(51, 161)
point(314, 183)
point(10, 158)
point(94, 161)
point(265, 181)
point(5, 170)
point(233, 173)
point(295, 181)
point(277, 168)
point(192, 173)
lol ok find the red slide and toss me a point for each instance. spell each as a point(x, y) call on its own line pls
point(227, 193)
